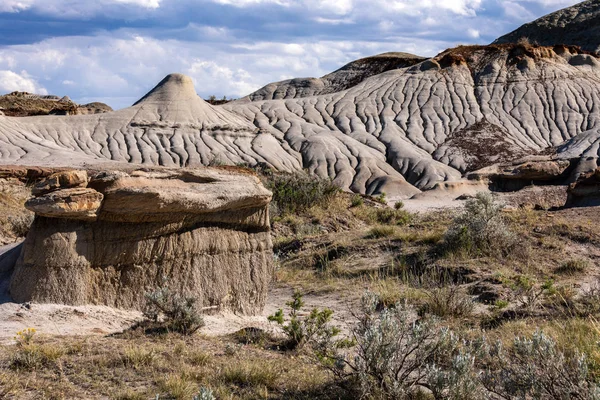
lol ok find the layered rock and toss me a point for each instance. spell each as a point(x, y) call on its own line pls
point(205, 232)
point(23, 104)
point(585, 191)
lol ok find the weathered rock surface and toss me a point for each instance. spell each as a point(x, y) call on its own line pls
point(577, 25)
point(344, 78)
point(401, 131)
point(23, 104)
point(206, 232)
point(60, 180)
point(78, 204)
point(586, 190)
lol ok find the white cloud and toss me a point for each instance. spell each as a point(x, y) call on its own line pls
point(12, 6)
point(473, 33)
point(71, 8)
point(11, 81)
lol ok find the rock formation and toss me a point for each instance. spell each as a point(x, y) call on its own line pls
point(585, 191)
point(577, 25)
point(23, 104)
point(110, 238)
point(344, 78)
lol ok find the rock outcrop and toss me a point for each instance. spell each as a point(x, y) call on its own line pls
point(206, 232)
point(23, 104)
point(344, 78)
point(585, 191)
point(577, 25)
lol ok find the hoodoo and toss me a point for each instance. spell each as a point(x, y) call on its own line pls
point(113, 236)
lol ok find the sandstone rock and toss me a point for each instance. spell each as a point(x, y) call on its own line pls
point(526, 170)
point(585, 191)
point(76, 203)
point(205, 231)
point(60, 180)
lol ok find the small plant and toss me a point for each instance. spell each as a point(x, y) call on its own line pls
point(293, 193)
point(399, 205)
point(29, 355)
point(25, 337)
point(500, 304)
point(178, 387)
point(250, 375)
point(205, 394)
point(535, 368)
point(172, 311)
point(447, 301)
point(300, 331)
point(382, 198)
point(356, 201)
point(391, 216)
point(136, 357)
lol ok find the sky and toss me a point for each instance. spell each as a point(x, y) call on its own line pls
point(114, 51)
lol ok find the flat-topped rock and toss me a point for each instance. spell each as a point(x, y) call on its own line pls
point(77, 204)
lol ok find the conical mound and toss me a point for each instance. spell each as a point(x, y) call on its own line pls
point(174, 100)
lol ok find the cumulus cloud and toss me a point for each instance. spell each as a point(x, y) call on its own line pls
point(11, 81)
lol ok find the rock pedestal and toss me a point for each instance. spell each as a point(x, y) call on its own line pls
point(203, 232)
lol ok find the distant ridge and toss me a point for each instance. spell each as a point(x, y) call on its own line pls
point(577, 25)
point(344, 78)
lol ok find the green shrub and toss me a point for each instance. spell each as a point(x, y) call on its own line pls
point(480, 229)
point(382, 198)
point(173, 312)
point(396, 357)
point(300, 191)
point(356, 201)
point(299, 331)
point(392, 217)
point(399, 205)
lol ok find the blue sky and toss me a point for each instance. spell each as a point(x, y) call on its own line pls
point(116, 50)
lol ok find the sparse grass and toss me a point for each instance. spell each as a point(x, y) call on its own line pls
point(379, 232)
point(573, 267)
point(137, 357)
point(447, 302)
point(178, 387)
point(251, 375)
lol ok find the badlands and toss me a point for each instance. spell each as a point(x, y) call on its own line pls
point(442, 207)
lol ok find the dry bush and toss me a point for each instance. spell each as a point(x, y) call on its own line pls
point(480, 229)
point(448, 301)
point(296, 192)
point(168, 310)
